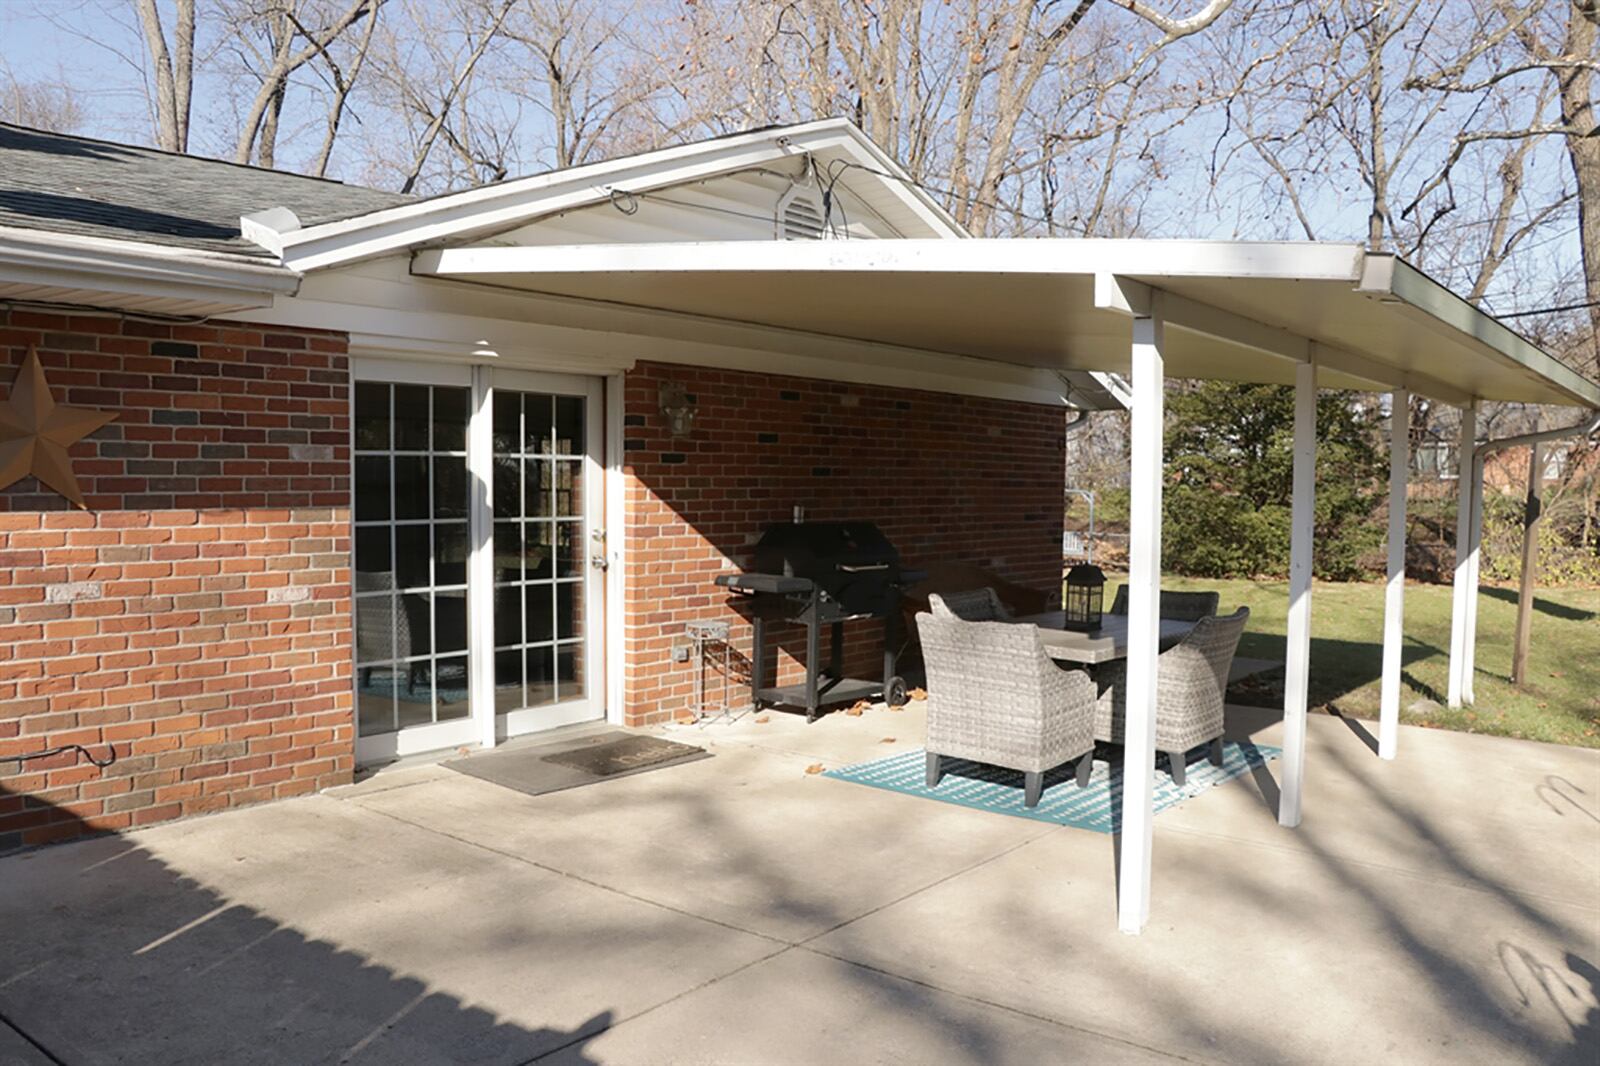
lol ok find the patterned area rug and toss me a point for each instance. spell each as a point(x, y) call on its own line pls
point(1098, 807)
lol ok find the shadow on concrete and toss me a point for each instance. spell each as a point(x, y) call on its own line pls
point(111, 956)
point(1357, 727)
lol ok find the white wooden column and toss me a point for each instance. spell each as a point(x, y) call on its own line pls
point(1469, 640)
point(1302, 523)
point(1395, 592)
point(480, 560)
point(1462, 598)
point(1144, 614)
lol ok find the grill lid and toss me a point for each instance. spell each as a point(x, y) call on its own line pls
point(822, 550)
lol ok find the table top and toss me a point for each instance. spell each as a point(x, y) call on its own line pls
point(1108, 642)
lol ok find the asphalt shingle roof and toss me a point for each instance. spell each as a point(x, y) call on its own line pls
point(66, 184)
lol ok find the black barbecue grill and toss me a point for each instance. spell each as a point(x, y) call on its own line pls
point(816, 573)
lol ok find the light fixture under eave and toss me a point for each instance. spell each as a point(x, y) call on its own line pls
point(678, 406)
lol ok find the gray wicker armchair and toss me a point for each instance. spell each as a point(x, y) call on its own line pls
point(1184, 606)
point(1191, 680)
point(995, 697)
point(974, 605)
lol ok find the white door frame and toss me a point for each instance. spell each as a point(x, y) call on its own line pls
point(411, 740)
point(496, 727)
point(603, 503)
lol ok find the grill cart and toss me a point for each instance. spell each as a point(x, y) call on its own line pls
point(815, 574)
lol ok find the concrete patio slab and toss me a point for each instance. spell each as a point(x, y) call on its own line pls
point(1270, 955)
point(1443, 908)
point(747, 837)
point(834, 1012)
point(317, 931)
point(1458, 808)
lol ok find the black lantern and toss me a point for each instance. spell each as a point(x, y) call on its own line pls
point(1083, 598)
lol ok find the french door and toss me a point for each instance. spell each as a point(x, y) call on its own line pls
point(548, 550)
point(478, 553)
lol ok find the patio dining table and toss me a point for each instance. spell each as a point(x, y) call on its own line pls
point(1102, 645)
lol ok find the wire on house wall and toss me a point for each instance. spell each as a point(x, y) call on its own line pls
point(45, 753)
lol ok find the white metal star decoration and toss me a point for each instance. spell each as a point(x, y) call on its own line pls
point(35, 432)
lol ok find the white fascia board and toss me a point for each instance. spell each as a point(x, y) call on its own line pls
point(508, 204)
point(1146, 260)
point(1399, 282)
point(662, 336)
point(133, 268)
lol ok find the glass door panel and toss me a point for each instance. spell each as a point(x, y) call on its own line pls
point(410, 585)
point(544, 516)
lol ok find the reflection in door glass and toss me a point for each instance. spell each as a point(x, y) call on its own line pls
point(410, 555)
point(538, 557)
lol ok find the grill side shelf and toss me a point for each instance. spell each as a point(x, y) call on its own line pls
point(773, 584)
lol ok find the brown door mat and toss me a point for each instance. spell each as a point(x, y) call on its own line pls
point(539, 768)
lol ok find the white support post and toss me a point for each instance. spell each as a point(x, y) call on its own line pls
point(1461, 598)
point(1395, 592)
point(1302, 524)
point(480, 558)
point(1469, 640)
point(1144, 629)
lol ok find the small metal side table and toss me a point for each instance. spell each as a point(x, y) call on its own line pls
point(704, 639)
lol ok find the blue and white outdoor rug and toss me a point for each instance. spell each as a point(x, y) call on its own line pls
point(1097, 807)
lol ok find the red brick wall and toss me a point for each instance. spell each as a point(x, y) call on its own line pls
point(950, 479)
point(195, 620)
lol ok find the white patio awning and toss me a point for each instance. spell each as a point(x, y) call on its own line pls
point(1247, 311)
point(1304, 314)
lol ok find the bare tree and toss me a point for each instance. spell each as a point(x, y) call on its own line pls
point(1557, 41)
point(42, 105)
point(276, 40)
point(173, 68)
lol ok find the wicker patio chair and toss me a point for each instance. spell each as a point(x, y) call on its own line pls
point(974, 605)
point(1191, 680)
point(995, 697)
point(1184, 606)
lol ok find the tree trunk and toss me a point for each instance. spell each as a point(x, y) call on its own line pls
point(172, 77)
point(1530, 571)
point(1583, 148)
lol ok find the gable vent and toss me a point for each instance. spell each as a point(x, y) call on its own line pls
point(800, 216)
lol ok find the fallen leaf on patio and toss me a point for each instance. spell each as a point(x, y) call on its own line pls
point(856, 709)
point(685, 718)
point(814, 768)
point(887, 740)
point(763, 719)
point(918, 694)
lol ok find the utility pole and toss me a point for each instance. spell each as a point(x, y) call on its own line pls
point(1533, 512)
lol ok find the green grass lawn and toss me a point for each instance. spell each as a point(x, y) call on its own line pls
point(1560, 703)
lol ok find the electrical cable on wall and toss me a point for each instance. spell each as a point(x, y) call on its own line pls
point(45, 753)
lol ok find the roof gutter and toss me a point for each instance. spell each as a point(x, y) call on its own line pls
point(1389, 279)
point(60, 267)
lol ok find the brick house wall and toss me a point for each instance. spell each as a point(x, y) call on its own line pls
point(948, 478)
point(194, 622)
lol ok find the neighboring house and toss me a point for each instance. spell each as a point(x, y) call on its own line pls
point(270, 583)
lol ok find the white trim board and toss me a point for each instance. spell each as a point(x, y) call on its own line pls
point(513, 203)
